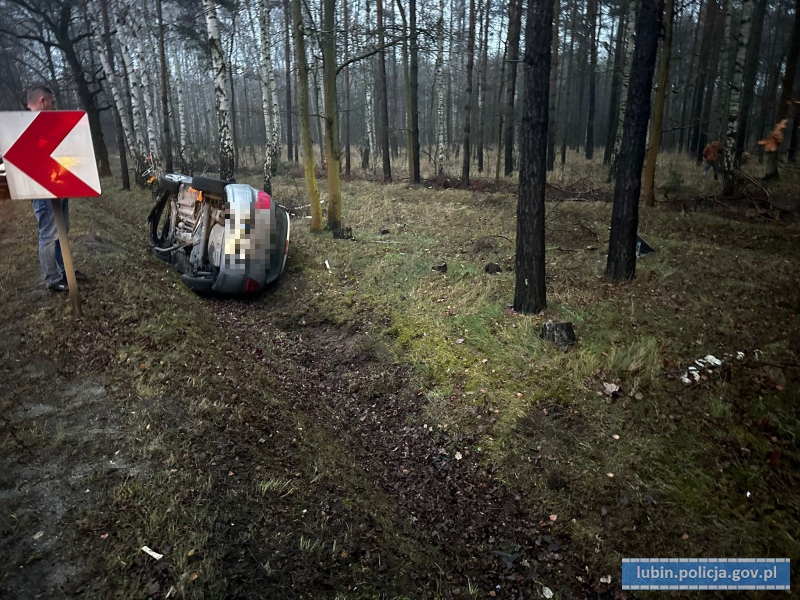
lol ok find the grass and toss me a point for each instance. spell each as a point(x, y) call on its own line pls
point(656, 469)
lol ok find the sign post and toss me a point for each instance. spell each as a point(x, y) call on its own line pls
point(49, 154)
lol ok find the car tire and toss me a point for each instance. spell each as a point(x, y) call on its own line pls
point(199, 285)
point(212, 186)
point(169, 185)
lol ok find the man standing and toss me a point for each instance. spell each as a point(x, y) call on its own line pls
point(40, 97)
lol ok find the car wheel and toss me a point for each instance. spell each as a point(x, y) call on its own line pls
point(169, 185)
point(212, 186)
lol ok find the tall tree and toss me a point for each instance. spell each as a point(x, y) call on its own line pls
point(269, 97)
point(162, 58)
point(514, 25)
point(551, 129)
point(627, 67)
point(287, 50)
point(625, 212)
point(736, 94)
point(786, 89)
point(750, 73)
point(299, 31)
point(227, 165)
point(616, 77)
point(413, 68)
point(440, 116)
point(332, 153)
point(482, 97)
point(592, 8)
point(529, 290)
point(382, 96)
point(407, 77)
point(468, 95)
point(658, 110)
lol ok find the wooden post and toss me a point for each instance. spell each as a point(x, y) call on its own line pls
point(65, 253)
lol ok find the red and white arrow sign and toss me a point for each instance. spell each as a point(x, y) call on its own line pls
point(48, 154)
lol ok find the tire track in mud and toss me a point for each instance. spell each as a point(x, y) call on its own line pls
point(482, 532)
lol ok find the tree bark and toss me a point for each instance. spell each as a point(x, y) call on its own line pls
point(440, 116)
point(383, 97)
point(414, 77)
point(630, 45)
point(749, 81)
point(332, 150)
point(658, 110)
point(269, 97)
point(287, 51)
point(786, 89)
point(305, 116)
point(407, 78)
point(227, 164)
point(613, 104)
point(468, 93)
point(122, 126)
point(529, 290)
point(514, 25)
point(728, 184)
point(592, 78)
point(162, 56)
point(625, 212)
point(551, 128)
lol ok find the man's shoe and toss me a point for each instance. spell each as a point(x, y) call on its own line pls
point(59, 286)
point(80, 276)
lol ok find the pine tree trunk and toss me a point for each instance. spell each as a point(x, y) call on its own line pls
point(227, 164)
point(529, 290)
point(786, 89)
point(658, 110)
point(592, 78)
point(625, 212)
point(613, 104)
point(736, 95)
point(551, 128)
point(514, 25)
point(468, 93)
point(407, 78)
point(630, 44)
point(305, 116)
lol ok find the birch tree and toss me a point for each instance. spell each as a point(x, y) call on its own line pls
point(269, 97)
point(440, 91)
point(736, 95)
point(227, 164)
point(332, 149)
point(468, 95)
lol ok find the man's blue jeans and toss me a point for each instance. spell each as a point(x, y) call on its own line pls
point(49, 248)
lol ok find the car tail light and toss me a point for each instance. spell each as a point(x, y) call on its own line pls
point(251, 286)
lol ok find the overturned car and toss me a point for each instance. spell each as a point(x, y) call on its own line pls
point(226, 238)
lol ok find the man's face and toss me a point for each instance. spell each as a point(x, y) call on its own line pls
point(44, 102)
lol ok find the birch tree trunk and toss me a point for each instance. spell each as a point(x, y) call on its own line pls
point(140, 150)
point(440, 91)
point(120, 113)
point(122, 124)
point(287, 50)
point(269, 97)
point(468, 94)
point(658, 110)
point(750, 72)
point(227, 164)
point(413, 68)
point(407, 77)
point(305, 116)
point(182, 130)
point(482, 84)
point(630, 44)
point(145, 89)
point(736, 95)
point(162, 57)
